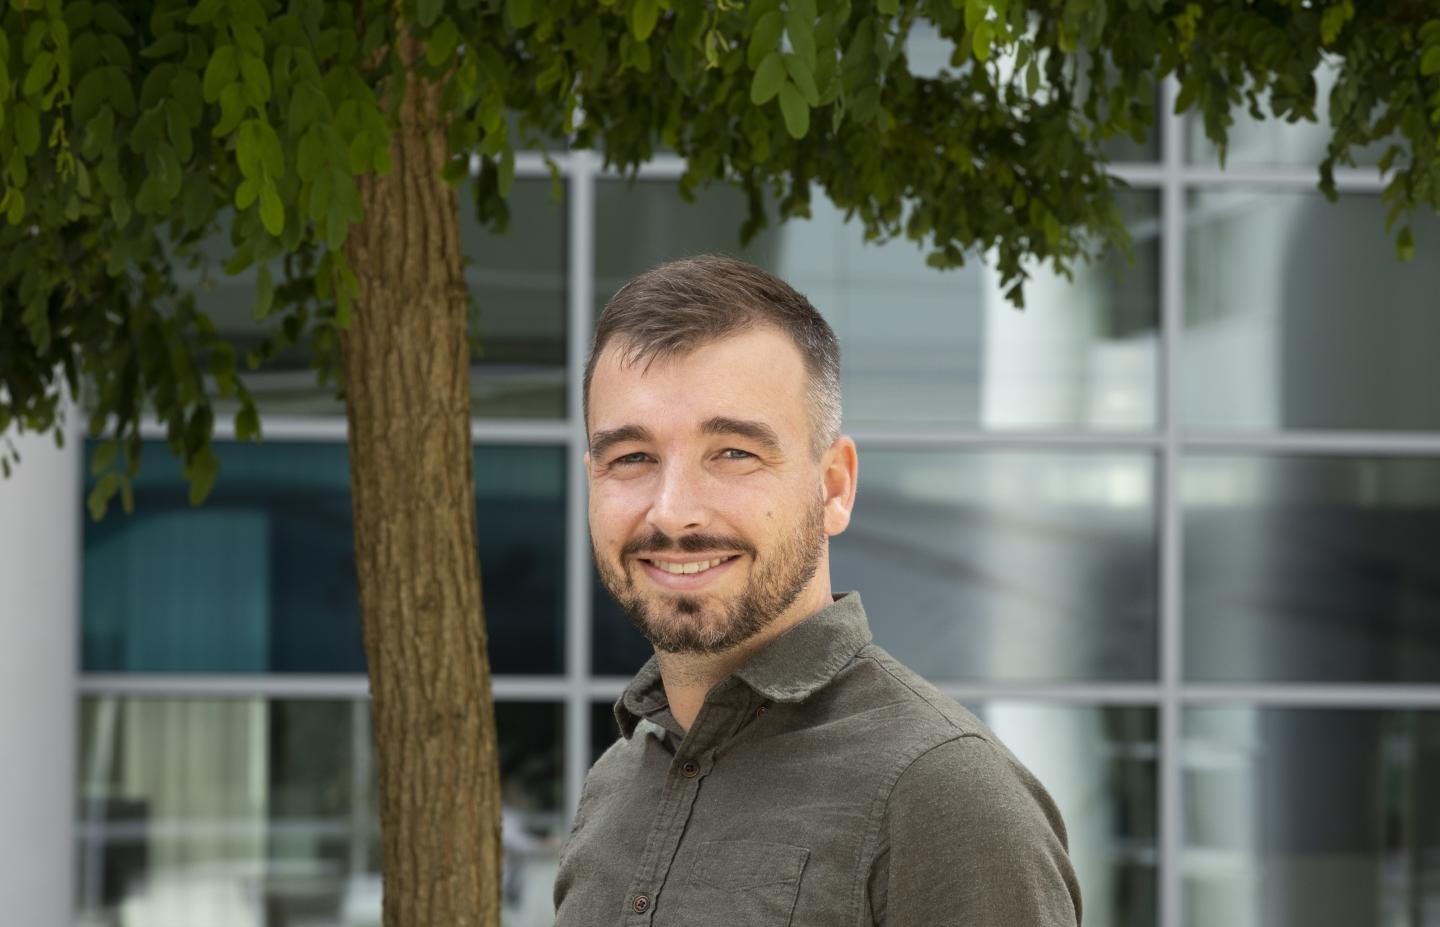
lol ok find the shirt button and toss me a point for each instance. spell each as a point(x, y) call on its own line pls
point(690, 770)
point(760, 712)
point(641, 904)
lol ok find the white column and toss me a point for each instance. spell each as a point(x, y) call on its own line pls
point(40, 525)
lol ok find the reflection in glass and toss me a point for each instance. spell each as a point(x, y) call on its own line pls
point(1319, 569)
point(921, 346)
point(1006, 565)
point(1311, 818)
point(516, 281)
point(264, 813)
point(261, 577)
point(1298, 315)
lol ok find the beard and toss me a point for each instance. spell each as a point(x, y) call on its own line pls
point(703, 624)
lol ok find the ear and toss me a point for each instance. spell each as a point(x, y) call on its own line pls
point(839, 469)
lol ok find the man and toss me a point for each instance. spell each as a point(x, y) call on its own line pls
point(775, 766)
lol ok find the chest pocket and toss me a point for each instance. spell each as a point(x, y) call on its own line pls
point(743, 882)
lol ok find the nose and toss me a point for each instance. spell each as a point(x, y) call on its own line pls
point(679, 504)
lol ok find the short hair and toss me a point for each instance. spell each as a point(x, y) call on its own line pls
point(683, 305)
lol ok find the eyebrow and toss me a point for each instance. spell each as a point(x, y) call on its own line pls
point(602, 441)
point(759, 432)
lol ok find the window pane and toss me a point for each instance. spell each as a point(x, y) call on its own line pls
point(516, 281)
point(264, 813)
point(261, 577)
point(1006, 565)
point(1099, 764)
point(1312, 569)
point(1311, 818)
point(921, 346)
point(989, 565)
point(1298, 315)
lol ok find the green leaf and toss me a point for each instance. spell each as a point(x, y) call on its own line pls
point(981, 38)
point(204, 12)
point(101, 494)
point(272, 211)
point(201, 473)
point(41, 70)
point(803, 79)
point(768, 79)
point(224, 66)
point(643, 16)
point(1430, 61)
point(888, 7)
point(442, 43)
point(246, 193)
point(27, 128)
point(802, 36)
point(1405, 245)
point(521, 13)
point(764, 38)
point(247, 424)
point(257, 80)
point(105, 454)
point(264, 292)
point(793, 108)
point(427, 11)
point(232, 110)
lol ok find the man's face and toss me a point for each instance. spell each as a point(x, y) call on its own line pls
point(709, 513)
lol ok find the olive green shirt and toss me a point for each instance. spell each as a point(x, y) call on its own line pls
point(821, 784)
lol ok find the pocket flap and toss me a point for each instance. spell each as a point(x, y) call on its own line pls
point(734, 865)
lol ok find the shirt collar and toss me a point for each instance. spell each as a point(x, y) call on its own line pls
point(791, 668)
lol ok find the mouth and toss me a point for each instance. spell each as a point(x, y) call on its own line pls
point(673, 573)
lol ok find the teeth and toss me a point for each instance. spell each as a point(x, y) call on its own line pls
point(696, 567)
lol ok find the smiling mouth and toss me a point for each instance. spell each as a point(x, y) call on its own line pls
point(689, 567)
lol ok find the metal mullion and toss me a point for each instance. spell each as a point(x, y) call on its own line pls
point(1351, 179)
point(1172, 315)
point(296, 686)
point(1371, 444)
point(580, 273)
point(1315, 695)
point(941, 438)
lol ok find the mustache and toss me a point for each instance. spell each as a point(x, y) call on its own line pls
point(660, 542)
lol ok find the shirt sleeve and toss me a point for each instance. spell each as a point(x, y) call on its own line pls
point(969, 837)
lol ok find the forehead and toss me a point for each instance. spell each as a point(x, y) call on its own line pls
point(757, 374)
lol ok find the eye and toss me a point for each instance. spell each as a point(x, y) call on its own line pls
point(734, 453)
point(626, 459)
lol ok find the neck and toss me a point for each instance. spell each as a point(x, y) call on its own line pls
point(689, 677)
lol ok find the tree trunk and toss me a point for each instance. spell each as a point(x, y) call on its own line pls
point(406, 362)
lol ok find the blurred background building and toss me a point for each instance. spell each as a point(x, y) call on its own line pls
point(1173, 531)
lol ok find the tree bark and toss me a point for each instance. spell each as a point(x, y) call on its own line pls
point(406, 361)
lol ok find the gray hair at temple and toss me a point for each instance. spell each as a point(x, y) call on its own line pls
point(675, 308)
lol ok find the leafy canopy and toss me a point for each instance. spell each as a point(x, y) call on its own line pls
point(131, 132)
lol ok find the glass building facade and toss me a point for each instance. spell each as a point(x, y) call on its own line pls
point(1173, 531)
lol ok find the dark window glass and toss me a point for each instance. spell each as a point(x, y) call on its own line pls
point(1312, 569)
point(1298, 315)
point(261, 577)
point(1311, 818)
